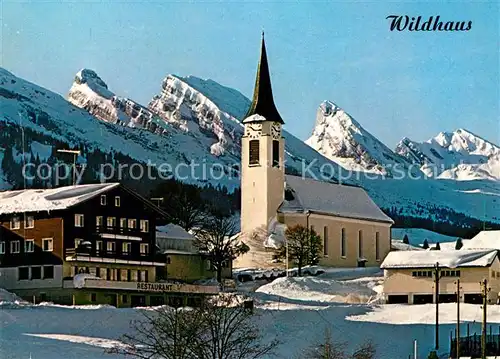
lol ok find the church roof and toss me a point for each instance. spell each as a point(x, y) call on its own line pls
point(263, 102)
point(308, 195)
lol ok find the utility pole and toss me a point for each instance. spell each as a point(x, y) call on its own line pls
point(436, 287)
point(458, 318)
point(484, 285)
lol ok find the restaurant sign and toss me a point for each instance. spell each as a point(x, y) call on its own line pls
point(156, 287)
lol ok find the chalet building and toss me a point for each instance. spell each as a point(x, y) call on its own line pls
point(354, 230)
point(409, 276)
point(84, 244)
point(184, 261)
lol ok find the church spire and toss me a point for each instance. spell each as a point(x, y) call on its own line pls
point(263, 102)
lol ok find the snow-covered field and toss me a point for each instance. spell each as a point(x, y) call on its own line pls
point(296, 310)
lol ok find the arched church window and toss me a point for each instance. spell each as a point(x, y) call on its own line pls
point(360, 244)
point(343, 243)
point(276, 153)
point(254, 152)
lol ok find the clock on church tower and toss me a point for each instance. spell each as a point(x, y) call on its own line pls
point(262, 145)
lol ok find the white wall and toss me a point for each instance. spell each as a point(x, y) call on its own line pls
point(8, 279)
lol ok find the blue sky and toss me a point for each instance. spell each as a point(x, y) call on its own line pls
point(395, 84)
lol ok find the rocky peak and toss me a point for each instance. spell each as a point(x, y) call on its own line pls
point(339, 137)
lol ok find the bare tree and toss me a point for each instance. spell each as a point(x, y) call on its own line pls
point(230, 333)
point(217, 242)
point(162, 333)
point(367, 350)
point(329, 349)
point(221, 329)
point(304, 246)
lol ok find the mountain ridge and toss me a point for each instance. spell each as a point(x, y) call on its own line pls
point(50, 122)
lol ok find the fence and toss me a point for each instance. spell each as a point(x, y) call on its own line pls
point(470, 345)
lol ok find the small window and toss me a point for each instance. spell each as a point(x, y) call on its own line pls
point(413, 274)
point(99, 221)
point(124, 298)
point(23, 273)
point(98, 246)
point(93, 296)
point(15, 247)
point(111, 246)
point(343, 243)
point(78, 241)
point(2, 247)
point(15, 223)
point(47, 244)
point(144, 249)
point(48, 272)
point(276, 153)
point(168, 260)
point(103, 200)
point(29, 245)
point(254, 152)
point(36, 272)
point(126, 247)
point(132, 223)
point(111, 222)
point(78, 220)
point(144, 225)
point(30, 222)
point(123, 223)
point(117, 201)
point(377, 246)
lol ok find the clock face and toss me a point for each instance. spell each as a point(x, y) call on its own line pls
point(276, 130)
point(253, 130)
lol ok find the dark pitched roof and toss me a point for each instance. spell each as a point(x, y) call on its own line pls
point(263, 102)
point(308, 195)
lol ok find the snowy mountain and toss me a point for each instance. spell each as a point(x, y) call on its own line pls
point(197, 129)
point(49, 122)
point(189, 108)
point(459, 155)
point(342, 139)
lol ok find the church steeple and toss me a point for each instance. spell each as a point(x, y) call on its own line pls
point(263, 102)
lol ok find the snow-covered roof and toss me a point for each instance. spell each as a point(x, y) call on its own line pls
point(484, 239)
point(172, 231)
point(35, 200)
point(330, 198)
point(398, 245)
point(447, 259)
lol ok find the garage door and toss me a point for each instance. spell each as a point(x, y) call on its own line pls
point(397, 299)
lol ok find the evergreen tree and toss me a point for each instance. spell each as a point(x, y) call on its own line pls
point(433, 355)
point(459, 244)
point(425, 245)
point(437, 247)
point(406, 240)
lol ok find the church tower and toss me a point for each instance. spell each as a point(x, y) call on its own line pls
point(262, 157)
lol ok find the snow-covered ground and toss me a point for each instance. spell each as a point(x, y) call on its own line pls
point(296, 310)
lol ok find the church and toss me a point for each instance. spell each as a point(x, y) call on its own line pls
point(354, 230)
